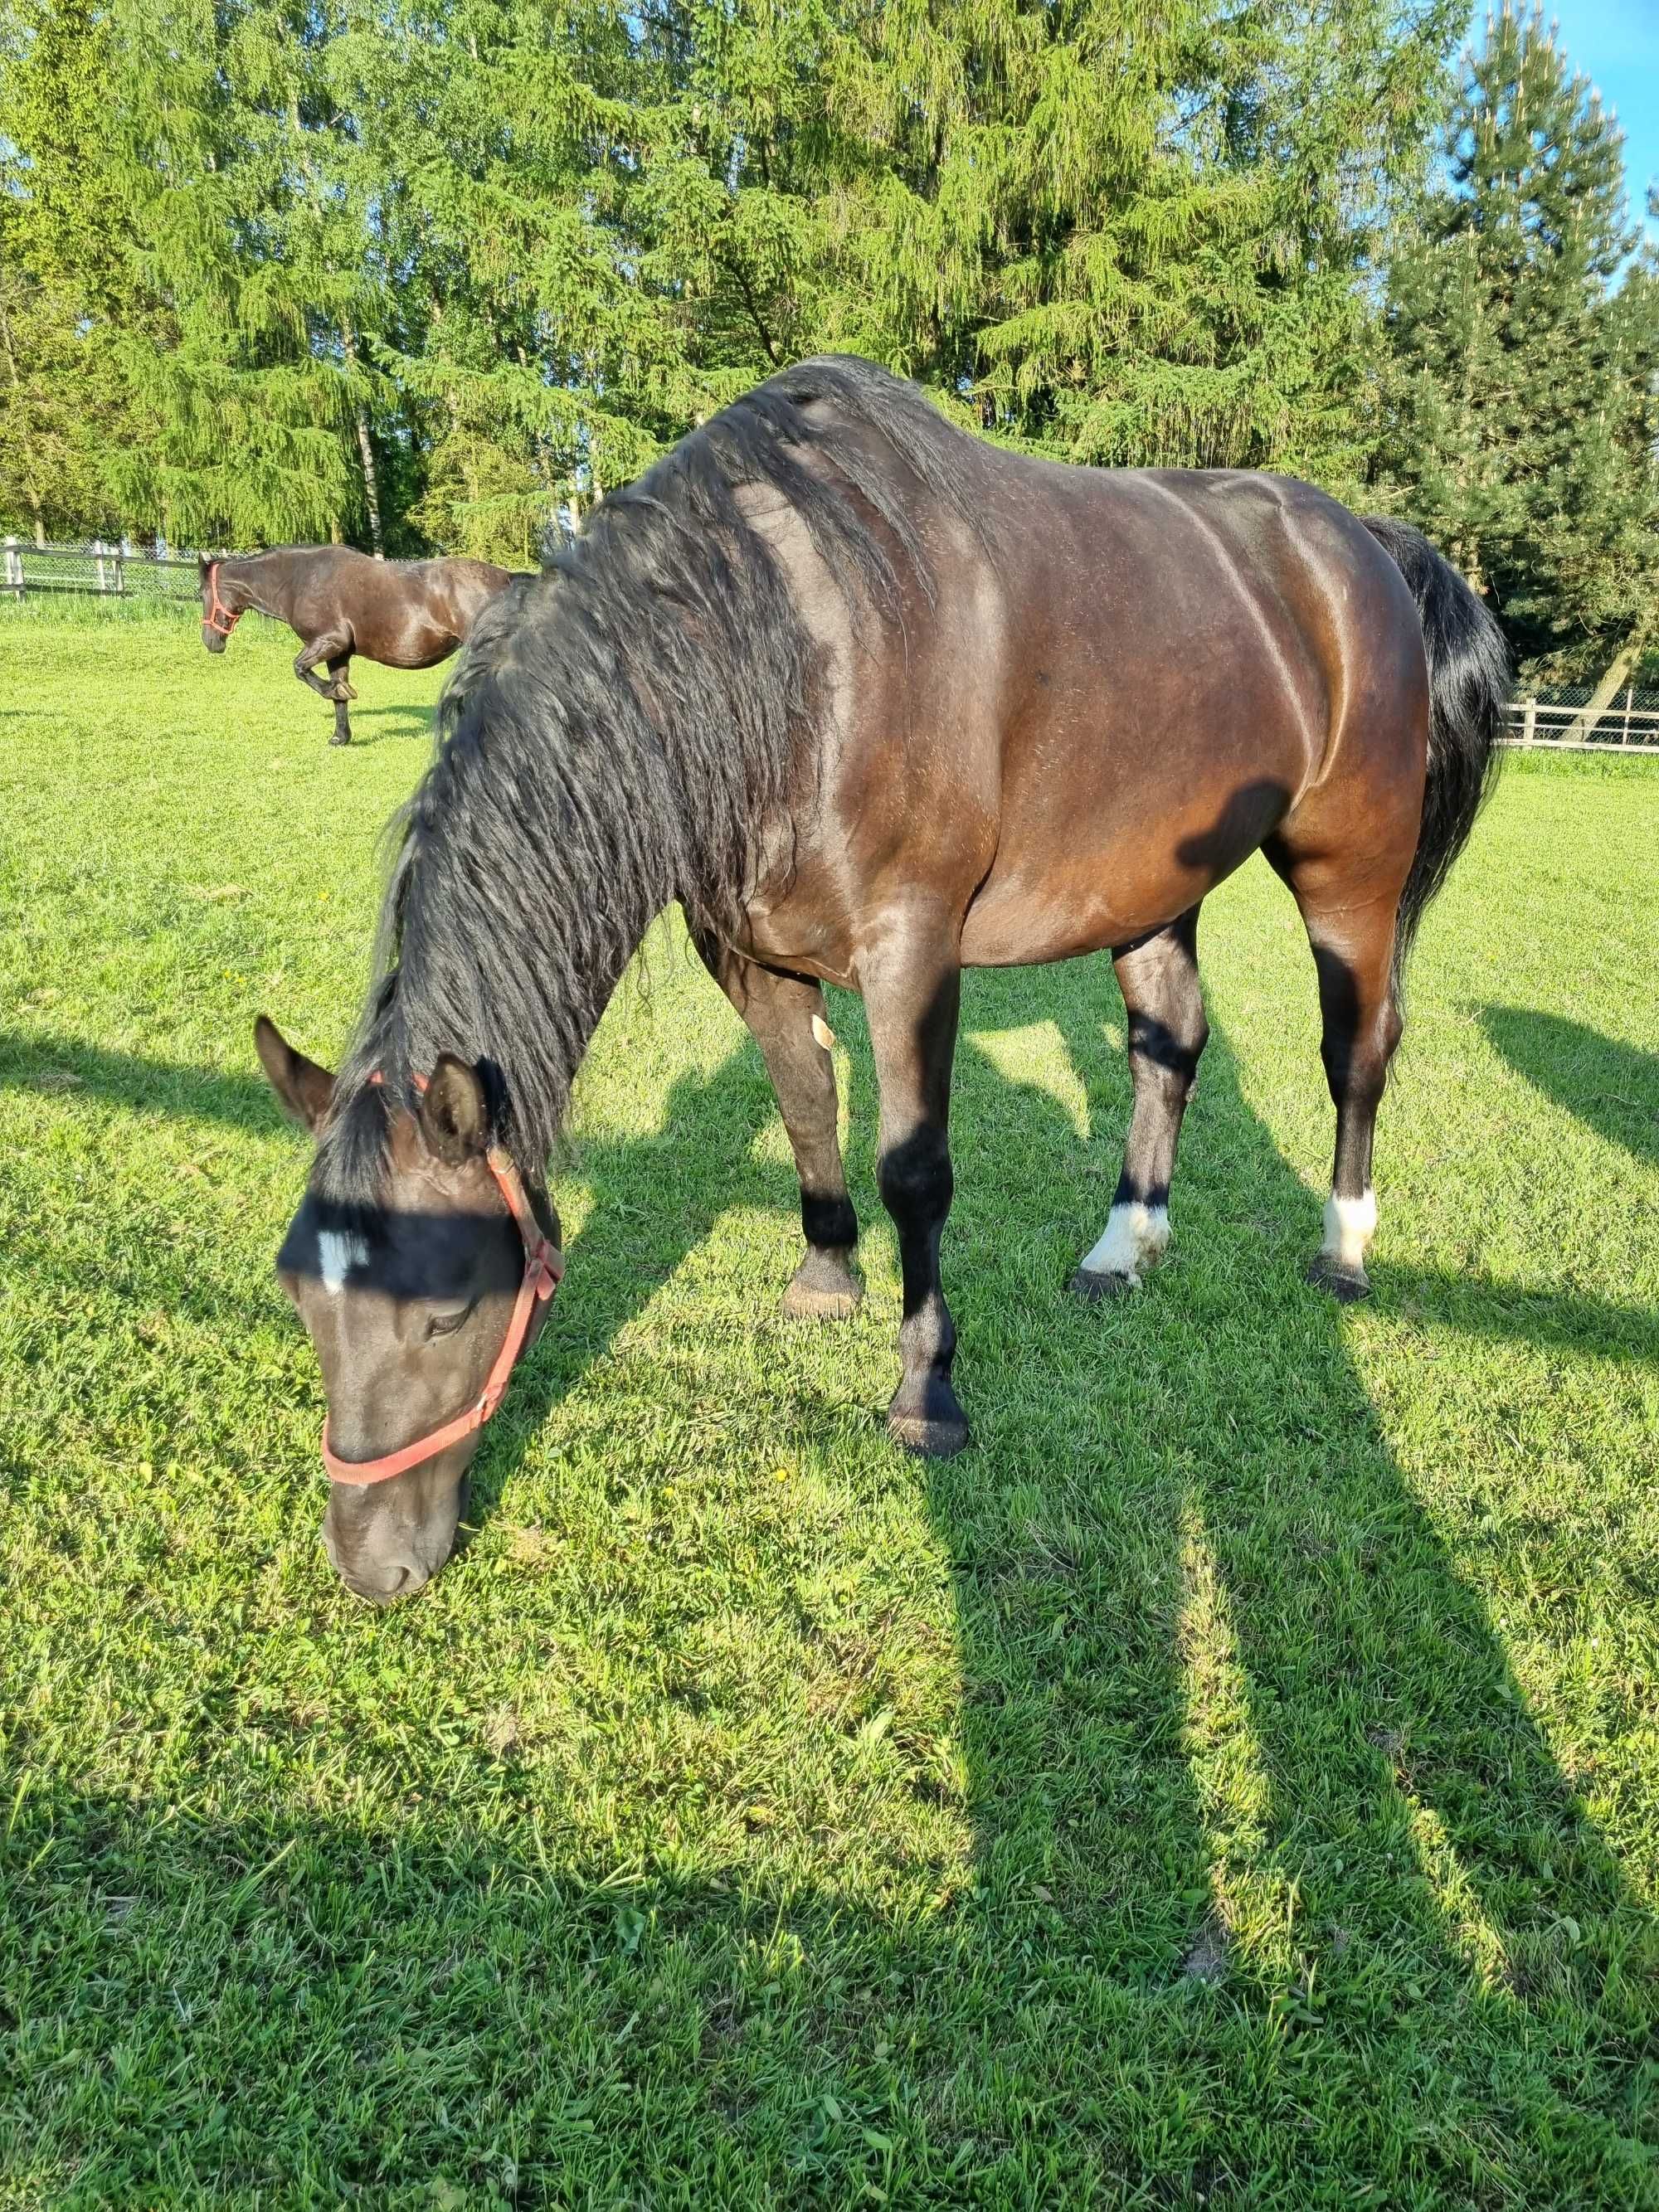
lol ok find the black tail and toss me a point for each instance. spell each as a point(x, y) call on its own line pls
point(1469, 679)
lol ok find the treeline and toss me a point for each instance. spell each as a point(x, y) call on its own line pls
point(419, 273)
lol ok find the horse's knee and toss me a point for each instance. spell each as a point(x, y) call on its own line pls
point(915, 1177)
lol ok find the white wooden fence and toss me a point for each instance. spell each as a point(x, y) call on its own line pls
point(96, 567)
point(1555, 722)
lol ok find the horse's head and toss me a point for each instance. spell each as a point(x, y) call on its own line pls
point(223, 604)
point(418, 1305)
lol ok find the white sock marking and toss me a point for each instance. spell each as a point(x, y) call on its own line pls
point(336, 1254)
point(1350, 1225)
point(1135, 1233)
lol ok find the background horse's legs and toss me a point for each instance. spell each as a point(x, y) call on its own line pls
point(781, 1011)
point(912, 988)
point(1350, 928)
point(1162, 998)
point(343, 691)
point(334, 645)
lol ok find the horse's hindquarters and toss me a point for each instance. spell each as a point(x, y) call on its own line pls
point(1199, 653)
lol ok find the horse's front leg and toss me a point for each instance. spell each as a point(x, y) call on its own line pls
point(785, 1016)
point(334, 647)
point(340, 691)
point(912, 987)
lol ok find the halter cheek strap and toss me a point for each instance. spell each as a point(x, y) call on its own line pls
point(221, 618)
point(543, 1270)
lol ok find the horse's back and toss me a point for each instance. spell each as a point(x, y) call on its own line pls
point(408, 614)
point(1129, 684)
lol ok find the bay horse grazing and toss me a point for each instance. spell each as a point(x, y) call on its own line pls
point(874, 701)
point(339, 602)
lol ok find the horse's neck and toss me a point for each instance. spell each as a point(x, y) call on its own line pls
point(552, 1013)
point(261, 581)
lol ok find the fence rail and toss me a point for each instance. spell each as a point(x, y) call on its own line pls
point(1540, 723)
point(97, 570)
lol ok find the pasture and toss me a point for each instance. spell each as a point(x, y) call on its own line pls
point(1233, 1781)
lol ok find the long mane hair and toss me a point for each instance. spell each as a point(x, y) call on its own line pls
point(620, 733)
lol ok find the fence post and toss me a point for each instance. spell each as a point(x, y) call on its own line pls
point(98, 558)
point(121, 570)
point(1629, 695)
point(1531, 725)
point(14, 568)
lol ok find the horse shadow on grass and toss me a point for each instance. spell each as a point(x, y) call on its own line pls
point(1611, 1087)
point(1278, 1893)
point(401, 723)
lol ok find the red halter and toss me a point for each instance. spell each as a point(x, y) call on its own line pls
point(231, 618)
point(543, 1269)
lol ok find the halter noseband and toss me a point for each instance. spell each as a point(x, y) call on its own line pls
point(232, 616)
point(543, 1269)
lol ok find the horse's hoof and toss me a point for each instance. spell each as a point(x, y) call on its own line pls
point(339, 741)
point(821, 1288)
point(802, 1301)
point(928, 1439)
point(1091, 1288)
point(1347, 1285)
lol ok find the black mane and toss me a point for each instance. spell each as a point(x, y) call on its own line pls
point(619, 734)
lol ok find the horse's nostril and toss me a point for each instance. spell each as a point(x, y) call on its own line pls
point(383, 1591)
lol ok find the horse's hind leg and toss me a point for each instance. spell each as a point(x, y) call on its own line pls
point(1162, 998)
point(1349, 914)
point(785, 1017)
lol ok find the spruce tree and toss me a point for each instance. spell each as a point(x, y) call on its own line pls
point(65, 289)
point(1519, 395)
point(247, 401)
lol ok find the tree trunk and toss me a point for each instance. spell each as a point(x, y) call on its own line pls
point(1599, 701)
point(371, 479)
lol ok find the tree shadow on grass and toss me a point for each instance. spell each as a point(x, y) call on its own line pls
point(1279, 1893)
point(1613, 1087)
point(64, 1066)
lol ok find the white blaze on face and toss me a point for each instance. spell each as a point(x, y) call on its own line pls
point(336, 1254)
point(1350, 1225)
point(1135, 1234)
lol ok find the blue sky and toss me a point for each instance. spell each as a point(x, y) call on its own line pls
point(1616, 44)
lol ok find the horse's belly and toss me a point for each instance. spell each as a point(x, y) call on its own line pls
point(1112, 855)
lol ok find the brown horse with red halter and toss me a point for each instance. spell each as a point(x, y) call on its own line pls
point(339, 602)
point(873, 702)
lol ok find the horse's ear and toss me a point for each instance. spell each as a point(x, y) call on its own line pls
point(304, 1089)
point(455, 1113)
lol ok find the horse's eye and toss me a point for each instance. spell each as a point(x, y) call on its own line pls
point(446, 1324)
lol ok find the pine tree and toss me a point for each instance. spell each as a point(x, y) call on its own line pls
point(545, 362)
point(1519, 402)
point(246, 229)
point(62, 285)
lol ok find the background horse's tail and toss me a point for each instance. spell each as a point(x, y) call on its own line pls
point(1469, 680)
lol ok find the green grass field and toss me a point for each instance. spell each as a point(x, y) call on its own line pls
point(1232, 1783)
